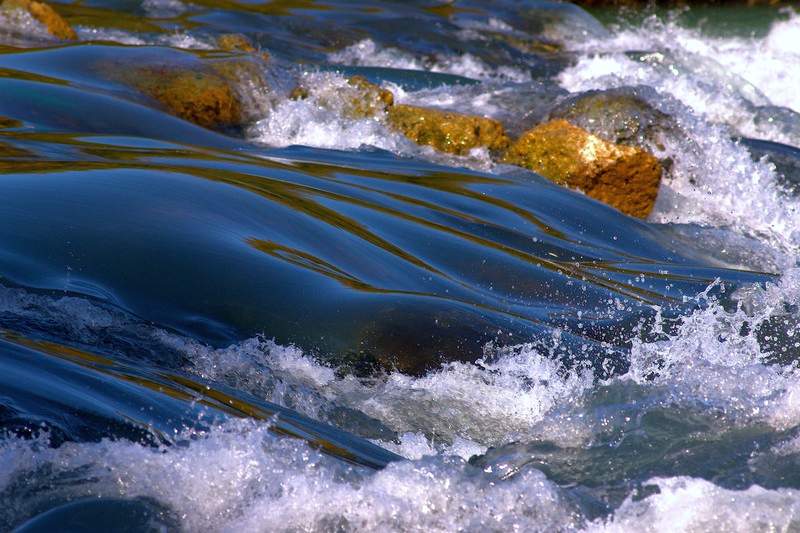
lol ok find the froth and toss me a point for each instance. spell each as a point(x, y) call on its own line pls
point(695, 505)
point(367, 53)
point(761, 62)
point(240, 477)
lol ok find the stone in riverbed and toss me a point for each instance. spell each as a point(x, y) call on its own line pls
point(235, 42)
point(624, 177)
point(205, 98)
point(207, 93)
point(621, 115)
point(447, 131)
point(55, 24)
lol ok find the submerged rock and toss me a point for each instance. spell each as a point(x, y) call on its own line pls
point(6, 122)
point(621, 116)
point(624, 177)
point(447, 131)
point(55, 24)
point(204, 98)
point(235, 42)
point(207, 93)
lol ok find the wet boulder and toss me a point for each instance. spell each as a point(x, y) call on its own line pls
point(448, 131)
point(205, 98)
point(622, 115)
point(236, 42)
point(46, 15)
point(624, 177)
point(6, 122)
point(208, 93)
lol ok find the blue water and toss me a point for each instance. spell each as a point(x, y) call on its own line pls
point(311, 323)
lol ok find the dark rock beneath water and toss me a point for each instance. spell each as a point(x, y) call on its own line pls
point(781, 120)
point(621, 116)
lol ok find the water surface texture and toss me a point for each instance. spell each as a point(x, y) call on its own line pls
point(310, 323)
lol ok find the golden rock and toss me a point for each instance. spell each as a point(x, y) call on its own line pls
point(624, 177)
point(447, 131)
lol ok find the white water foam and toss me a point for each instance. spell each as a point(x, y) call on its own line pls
point(239, 477)
point(716, 357)
point(459, 409)
point(720, 78)
point(695, 505)
point(369, 54)
point(17, 25)
point(321, 121)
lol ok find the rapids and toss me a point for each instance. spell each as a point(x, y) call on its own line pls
point(312, 323)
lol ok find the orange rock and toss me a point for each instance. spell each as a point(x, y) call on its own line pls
point(447, 131)
point(55, 24)
point(624, 177)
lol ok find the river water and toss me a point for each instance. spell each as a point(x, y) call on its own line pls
point(312, 323)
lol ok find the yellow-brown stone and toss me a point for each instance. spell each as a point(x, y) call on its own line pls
point(203, 97)
point(235, 42)
point(55, 24)
point(624, 177)
point(447, 131)
point(371, 100)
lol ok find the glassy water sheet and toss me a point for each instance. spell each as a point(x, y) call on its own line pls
point(312, 323)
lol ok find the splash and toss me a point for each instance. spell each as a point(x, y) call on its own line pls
point(368, 53)
point(240, 477)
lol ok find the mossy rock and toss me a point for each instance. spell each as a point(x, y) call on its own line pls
point(624, 177)
point(447, 131)
point(50, 19)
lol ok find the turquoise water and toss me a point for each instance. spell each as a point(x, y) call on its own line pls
point(312, 323)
